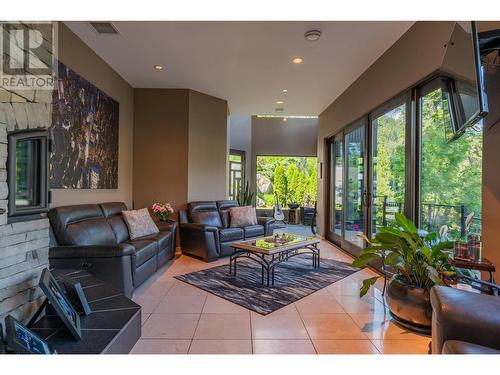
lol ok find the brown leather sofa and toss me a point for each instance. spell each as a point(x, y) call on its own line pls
point(464, 322)
point(206, 233)
point(95, 237)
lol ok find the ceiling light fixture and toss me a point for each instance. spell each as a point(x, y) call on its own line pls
point(284, 90)
point(279, 102)
point(312, 35)
point(158, 67)
point(298, 60)
point(279, 110)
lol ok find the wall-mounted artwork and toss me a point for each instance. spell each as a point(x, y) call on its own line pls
point(84, 134)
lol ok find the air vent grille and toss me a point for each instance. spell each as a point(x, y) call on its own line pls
point(104, 27)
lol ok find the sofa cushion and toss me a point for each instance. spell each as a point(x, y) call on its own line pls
point(144, 250)
point(230, 234)
point(242, 216)
point(112, 211)
point(139, 223)
point(253, 231)
point(164, 239)
point(204, 213)
point(82, 225)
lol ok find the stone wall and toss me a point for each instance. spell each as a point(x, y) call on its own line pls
point(24, 246)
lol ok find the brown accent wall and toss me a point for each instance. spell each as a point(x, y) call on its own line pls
point(161, 146)
point(180, 147)
point(74, 53)
point(208, 147)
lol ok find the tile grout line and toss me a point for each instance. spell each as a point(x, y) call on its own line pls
point(197, 323)
point(304, 324)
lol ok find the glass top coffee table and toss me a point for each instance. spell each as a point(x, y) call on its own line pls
point(273, 250)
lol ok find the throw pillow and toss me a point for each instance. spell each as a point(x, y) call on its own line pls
point(242, 216)
point(139, 223)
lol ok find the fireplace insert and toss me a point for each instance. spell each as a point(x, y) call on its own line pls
point(27, 174)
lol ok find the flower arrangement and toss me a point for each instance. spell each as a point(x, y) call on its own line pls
point(162, 210)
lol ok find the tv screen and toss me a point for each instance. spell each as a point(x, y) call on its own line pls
point(462, 68)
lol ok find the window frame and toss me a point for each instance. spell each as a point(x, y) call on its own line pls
point(16, 213)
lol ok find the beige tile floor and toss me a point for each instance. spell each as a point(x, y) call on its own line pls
point(180, 319)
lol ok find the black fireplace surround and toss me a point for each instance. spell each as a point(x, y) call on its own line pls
point(95, 237)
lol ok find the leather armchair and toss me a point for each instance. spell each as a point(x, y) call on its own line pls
point(464, 322)
point(205, 230)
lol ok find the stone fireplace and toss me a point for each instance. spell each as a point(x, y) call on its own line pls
point(24, 245)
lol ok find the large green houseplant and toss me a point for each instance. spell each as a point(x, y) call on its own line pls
point(417, 264)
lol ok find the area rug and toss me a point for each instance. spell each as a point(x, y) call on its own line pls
point(294, 280)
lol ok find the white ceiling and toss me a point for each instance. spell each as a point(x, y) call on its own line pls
point(246, 63)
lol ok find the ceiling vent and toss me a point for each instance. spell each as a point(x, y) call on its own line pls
point(104, 28)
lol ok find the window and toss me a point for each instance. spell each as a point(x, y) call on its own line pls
point(388, 165)
point(236, 173)
point(450, 172)
point(27, 174)
point(409, 161)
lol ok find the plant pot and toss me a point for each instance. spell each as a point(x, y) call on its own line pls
point(410, 306)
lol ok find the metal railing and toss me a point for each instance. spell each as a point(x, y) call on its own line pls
point(433, 215)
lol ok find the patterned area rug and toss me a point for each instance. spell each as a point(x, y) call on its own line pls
point(294, 280)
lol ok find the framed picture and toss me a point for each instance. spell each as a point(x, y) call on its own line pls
point(76, 295)
point(24, 341)
point(60, 303)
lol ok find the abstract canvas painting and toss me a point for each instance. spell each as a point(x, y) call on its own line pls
point(84, 133)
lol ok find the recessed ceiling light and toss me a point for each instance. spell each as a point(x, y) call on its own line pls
point(284, 90)
point(158, 67)
point(280, 102)
point(298, 60)
point(312, 35)
point(279, 110)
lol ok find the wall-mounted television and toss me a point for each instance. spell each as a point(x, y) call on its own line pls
point(461, 66)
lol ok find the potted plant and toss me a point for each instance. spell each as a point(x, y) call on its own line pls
point(418, 263)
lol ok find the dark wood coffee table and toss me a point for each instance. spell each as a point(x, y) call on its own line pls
point(269, 253)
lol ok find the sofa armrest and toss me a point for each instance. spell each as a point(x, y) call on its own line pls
point(94, 251)
point(200, 240)
point(464, 316)
point(268, 223)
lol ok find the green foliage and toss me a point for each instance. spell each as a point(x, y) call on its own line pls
point(451, 172)
point(245, 197)
point(293, 179)
point(417, 262)
point(280, 184)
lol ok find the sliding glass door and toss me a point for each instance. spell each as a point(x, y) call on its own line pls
point(400, 158)
point(347, 187)
point(355, 197)
point(388, 164)
point(367, 175)
point(336, 185)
